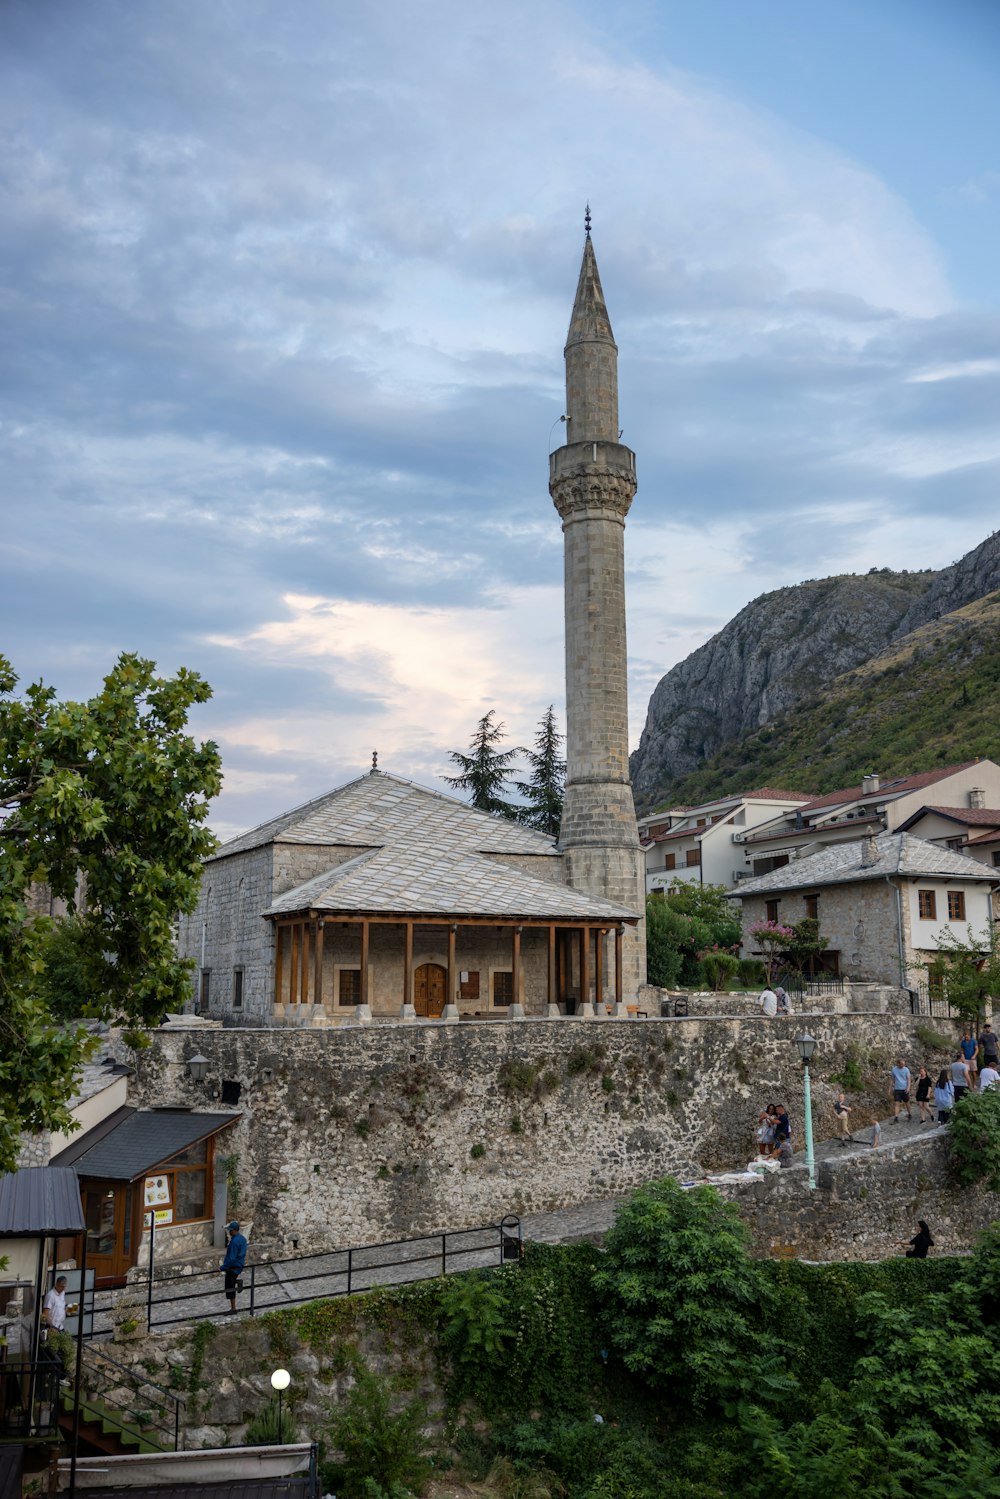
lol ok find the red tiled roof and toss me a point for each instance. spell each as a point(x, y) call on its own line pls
point(988, 817)
point(896, 787)
point(990, 837)
point(770, 794)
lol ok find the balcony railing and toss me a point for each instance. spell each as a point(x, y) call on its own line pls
point(29, 1399)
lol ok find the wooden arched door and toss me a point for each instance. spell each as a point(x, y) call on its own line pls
point(430, 982)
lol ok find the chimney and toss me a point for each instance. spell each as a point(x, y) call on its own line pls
point(869, 783)
point(977, 797)
point(869, 851)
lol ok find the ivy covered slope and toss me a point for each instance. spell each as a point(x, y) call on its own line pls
point(927, 700)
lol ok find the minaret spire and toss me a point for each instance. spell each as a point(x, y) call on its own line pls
point(592, 482)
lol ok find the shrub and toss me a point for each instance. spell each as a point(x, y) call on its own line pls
point(478, 1151)
point(974, 1139)
point(382, 1441)
point(263, 1429)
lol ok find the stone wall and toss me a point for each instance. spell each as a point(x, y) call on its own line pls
point(372, 1133)
point(860, 921)
point(865, 1207)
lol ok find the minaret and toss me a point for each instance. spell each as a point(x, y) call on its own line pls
point(592, 481)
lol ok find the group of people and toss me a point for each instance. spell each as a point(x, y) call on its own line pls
point(976, 1067)
point(774, 1134)
point(774, 1001)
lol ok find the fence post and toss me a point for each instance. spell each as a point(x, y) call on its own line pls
point(350, 1261)
point(253, 1288)
point(177, 1425)
point(149, 1288)
point(444, 1254)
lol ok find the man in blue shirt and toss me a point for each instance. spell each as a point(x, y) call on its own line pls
point(900, 1090)
point(232, 1265)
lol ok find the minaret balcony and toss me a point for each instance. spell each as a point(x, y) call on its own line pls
point(576, 458)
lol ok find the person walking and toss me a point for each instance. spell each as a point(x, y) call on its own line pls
point(901, 1090)
point(969, 1047)
point(920, 1243)
point(944, 1095)
point(232, 1265)
point(960, 1077)
point(842, 1110)
point(54, 1305)
point(923, 1096)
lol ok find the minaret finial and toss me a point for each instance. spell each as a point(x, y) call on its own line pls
point(374, 760)
point(586, 221)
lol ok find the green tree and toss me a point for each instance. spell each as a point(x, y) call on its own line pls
point(664, 930)
point(684, 1302)
point(382, 1439)
point(485, 771)
point(543, 790)
point(112, 790)
point(974, 1139)
point(968, 969)
point(687, 919)
point(806, 945)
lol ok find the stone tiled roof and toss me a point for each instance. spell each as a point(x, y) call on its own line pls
point(380, 809)
point(416, 878)
point(898, 854)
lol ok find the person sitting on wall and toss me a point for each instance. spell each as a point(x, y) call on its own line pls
point(768, 1002)
point(232, 1265)
point(784, 1003)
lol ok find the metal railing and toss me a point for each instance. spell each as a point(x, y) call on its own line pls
point(816, 984)
point(29, 1399)
point(149, 1410)
point(923, 1002)
point(269, 1285)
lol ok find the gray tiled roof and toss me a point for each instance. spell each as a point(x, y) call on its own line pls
point(417, 878)
point(898, 854)
point(141, 1141)
point(377, 808)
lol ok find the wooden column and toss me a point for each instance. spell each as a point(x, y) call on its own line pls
point(279, 953)
point(449, 998)
point(408, 965)
point(552, 966)
point(293, 975)
point(515, 966)
point(585, 966)
point(304, 966)
point(598, 966)
point(618, 965)
point(318, 965)
point(364, 963)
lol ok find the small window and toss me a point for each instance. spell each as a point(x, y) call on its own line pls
point(956, 905)
point(231, 1090)
point(812, 907)
point(503, 987)
point(771, 910)
point(237, 988)
point(669, 861)
point(693, 857)
point(468, 985)
point(927, 904)
point(935, 985)
point(349, 986)
point(204, 988)
point(996, 859)
point(955, 844)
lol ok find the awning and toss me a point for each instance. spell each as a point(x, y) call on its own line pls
point(40, 1202)
point(138, 1143)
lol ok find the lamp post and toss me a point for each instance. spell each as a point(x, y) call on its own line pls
point(807, 1045)
point(280, 1380)
point(198, 1067)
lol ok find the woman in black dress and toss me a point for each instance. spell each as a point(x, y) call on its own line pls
point(920, 1243)
point(924, 1096)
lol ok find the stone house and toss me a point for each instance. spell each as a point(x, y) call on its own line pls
point(881, 902)
point(384, 899)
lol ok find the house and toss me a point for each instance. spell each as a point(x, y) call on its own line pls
point(881, 902)
point(703, 843)
point(873, 807)
point(384, 899)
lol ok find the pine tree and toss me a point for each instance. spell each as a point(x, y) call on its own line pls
point(543, 791)
point(485, 771)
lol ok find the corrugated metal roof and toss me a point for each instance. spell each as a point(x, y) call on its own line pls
point(40, 1200)
point(146, 1138)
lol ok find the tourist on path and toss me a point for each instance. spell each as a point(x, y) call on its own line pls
point(843, 1113)
point(768, 1002)
point(232, 1265)
point(920, 1243)
point(944, 1095)
point(989, 1077)
point(901, 1090)
point(783, 1126)
point(960, 1077)
point(969, 1047)
point(923, 1096)
point(765, 1130)
point(989, 1044)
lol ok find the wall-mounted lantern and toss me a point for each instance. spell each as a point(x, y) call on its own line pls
point(198, 1067)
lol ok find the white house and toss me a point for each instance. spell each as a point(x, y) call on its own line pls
point(703, 843)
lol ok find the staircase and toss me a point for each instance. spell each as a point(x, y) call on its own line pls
point(120, 1411)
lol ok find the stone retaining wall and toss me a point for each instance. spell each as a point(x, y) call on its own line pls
point(363, 1134)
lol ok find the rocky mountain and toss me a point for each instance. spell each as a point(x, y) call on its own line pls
point(780, 654)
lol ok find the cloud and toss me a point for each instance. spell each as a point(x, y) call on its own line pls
point(282, 361)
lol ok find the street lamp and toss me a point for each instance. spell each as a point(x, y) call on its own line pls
point(807, 1045)
point(198, 1067)
point(280, 1380)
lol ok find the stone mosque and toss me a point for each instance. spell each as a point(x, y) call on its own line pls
point(386, 901)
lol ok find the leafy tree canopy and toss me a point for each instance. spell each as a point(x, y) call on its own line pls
point(109, 796)
point(968, 968)
point(683, 922)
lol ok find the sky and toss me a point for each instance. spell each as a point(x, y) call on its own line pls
point(285, 291)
